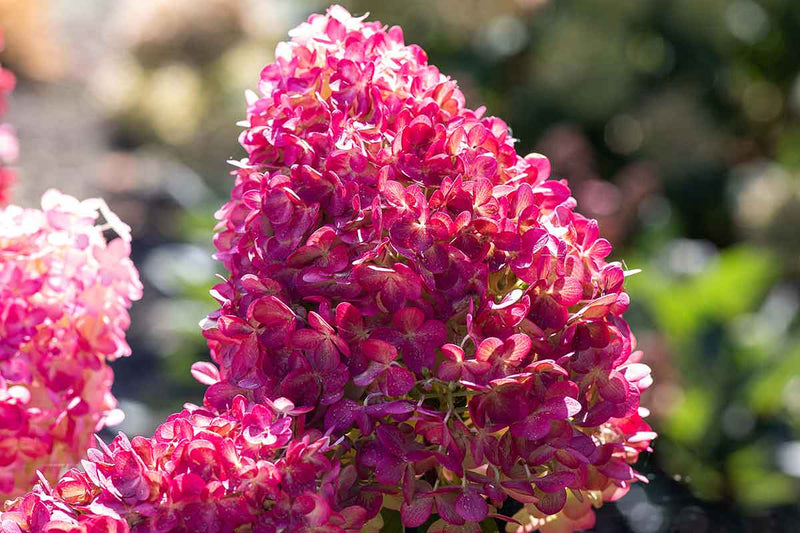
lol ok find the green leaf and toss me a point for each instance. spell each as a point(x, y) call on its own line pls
point(766, 391)
point(392, 522)
point(689, 421)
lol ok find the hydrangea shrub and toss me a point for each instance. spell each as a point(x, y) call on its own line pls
point(416, 319)
point(434, 298)
point(64, 296)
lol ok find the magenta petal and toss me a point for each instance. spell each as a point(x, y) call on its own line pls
point(449, 371)
point(302, 387)
point(560, 408)
point(617, 469)
point(416, 357)
point(333, 384)
point(303, 256)
point(391, 438)
point(600, 249)
point(520, 490)
point(471, 506)
point(613, 277)
point(373, 277)
point(573, 406)
point(370, 374)
point(314, 507)
point(453, 352)
point(389, 469)
point(417, 512)
point(409, 486)
point(615, 389)
point(379, 351)
point(270, 311)
point(539, 169)
point(451, 461)
point(436, 258)
point(398, 381)
point(342, 414)
point(391, 297)
point(396, 407)
point(540, 455)
point(277, 207)
point(306, 339)
point(548, 314)
point(555, 481)
point(477, 367)
point(234, 327)
point(409, 319)
point(534, 427)
point(551, 503)
point(446, 508)
point(598, 414)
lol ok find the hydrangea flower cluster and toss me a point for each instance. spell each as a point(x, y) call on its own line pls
point(201, 471)
point(8, 141)
point(64, 296)
point(428, 293)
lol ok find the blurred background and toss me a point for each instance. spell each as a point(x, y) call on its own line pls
point(676, 122)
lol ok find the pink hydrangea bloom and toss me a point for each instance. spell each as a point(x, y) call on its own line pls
point(201, 471)
point(430, 294)
point(64, 298)
point(8, 141)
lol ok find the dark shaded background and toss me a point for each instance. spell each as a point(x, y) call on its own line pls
point(676, 122)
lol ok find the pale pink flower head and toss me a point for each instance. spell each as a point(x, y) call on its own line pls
point(65, 292)
point(428, 294)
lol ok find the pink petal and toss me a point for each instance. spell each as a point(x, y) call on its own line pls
point(567, 291)
point(398, 381)
point(555, 481)
point(432, 334)
point(551, 503)
point(449, 371)
point(534, 427)
point(417, 512)
point(369, 375)
point(378, 350)
point(205, 372)
point(471, 506)
point(517, 347)
point(409, 319)
point(615, 389)
point(270, 311)
point(488, 348)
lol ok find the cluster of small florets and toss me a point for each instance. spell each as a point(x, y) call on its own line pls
point(8, 140)
point(64, 298)
point(428, 293)
point(201, 471)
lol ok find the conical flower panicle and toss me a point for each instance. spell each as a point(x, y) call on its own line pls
point(429, 293)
